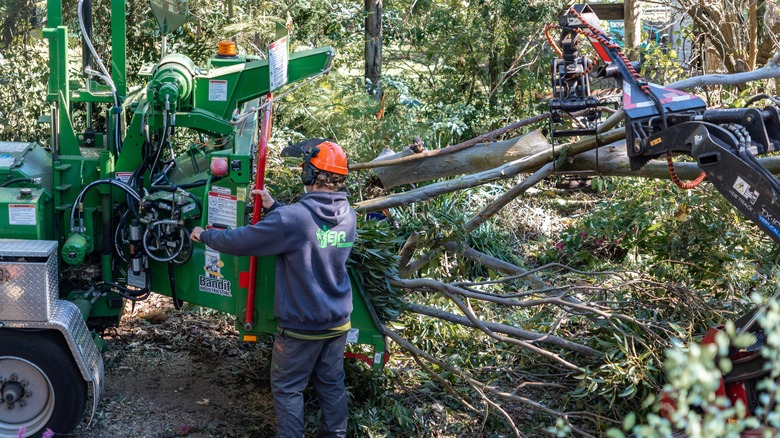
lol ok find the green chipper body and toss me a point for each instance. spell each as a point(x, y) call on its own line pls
point(108, 204)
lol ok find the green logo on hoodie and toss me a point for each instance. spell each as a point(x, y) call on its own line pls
point(326, 237)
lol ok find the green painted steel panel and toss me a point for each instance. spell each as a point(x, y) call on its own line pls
point(24, 215)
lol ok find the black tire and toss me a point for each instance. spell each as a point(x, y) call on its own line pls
point(43, 360)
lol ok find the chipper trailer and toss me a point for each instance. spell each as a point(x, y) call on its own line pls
point(101, 214)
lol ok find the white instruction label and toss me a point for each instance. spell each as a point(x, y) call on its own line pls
point(743, 188)
point(223, 209)
point(22, 214)
point(352, 335)
point(277, 63)
point(218, 90)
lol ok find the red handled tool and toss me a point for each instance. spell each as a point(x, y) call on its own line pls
point(262, 154)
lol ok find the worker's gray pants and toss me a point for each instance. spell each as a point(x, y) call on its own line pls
point(293, 362)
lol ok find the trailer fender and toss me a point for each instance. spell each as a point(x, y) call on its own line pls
point(66, 318)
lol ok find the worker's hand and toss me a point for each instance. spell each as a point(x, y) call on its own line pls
point(268, 200)
point(195, 234)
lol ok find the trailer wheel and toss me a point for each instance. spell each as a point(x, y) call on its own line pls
point(41, 386)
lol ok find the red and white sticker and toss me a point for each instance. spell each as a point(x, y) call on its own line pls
point(223, 209)
point(123, 176)
point(277, 63)
point(22, 214)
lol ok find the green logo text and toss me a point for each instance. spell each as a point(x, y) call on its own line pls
point(326, 237)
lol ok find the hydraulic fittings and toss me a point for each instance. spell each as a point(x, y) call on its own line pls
point(135, 237)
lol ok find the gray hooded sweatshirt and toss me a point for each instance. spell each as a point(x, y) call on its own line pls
point(312, 240)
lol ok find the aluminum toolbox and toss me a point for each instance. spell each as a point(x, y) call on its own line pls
point(28, 279)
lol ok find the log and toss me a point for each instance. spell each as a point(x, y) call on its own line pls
point(613, 161)
point(527, 163)
point(488, 136)
point(478, 158)
point(398, 164)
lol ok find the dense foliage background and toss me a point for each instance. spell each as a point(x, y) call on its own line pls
point(673, 262)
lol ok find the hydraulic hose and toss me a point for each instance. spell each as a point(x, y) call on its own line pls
point(104, 75)
point(114, 182)
point(21, 180)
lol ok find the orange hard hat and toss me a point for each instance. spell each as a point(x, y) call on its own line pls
point(329, 157)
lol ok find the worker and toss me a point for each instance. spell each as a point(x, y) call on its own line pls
point(312, 240)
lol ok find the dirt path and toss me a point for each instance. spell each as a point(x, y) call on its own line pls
point(181, 373)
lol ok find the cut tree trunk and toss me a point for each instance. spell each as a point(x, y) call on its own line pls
point(525, 164)
point(613, 161)
point(480, 157)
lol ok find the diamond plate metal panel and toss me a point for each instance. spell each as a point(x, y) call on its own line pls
point(27, 248)
point(28, 279)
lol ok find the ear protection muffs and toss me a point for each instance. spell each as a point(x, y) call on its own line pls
point(309, 172)
point(306, 149)
point(318, 155)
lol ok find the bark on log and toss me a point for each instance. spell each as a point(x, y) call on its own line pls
point(489, 136)
point(480, 157)
point(613, 161)
point(527, 163)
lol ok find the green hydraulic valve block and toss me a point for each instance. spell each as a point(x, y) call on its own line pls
point(75, 249)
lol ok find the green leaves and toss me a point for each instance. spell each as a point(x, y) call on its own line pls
point(376, 264)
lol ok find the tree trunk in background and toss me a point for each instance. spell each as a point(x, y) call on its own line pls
point(373, 71)
point(752, 43)
point(632, 22)
point(769, 43)
point(16, 22)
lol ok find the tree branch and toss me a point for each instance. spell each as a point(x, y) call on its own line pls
point(509, 196)
point(769, 71)
point(496, 264)
point(509, 330)
point(406, 345)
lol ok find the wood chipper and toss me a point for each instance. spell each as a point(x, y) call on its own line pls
point(102, 214)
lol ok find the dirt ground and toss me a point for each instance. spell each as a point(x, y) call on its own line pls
point(175, 373)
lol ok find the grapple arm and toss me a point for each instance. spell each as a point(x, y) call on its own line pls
point(724, 144)
point(663, 121)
